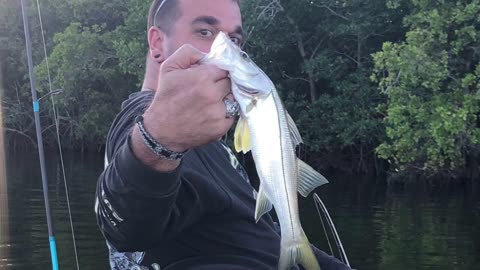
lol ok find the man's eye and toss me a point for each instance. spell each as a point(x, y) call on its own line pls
point(235, 40)
point(206, 33)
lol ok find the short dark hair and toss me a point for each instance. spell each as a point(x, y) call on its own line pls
point(166, 16)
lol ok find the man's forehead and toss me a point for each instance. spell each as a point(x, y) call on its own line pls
point(222, 11)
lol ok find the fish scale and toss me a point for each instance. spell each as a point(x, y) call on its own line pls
point(282, 162)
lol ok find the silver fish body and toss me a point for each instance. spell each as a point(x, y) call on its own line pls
point(267, 130)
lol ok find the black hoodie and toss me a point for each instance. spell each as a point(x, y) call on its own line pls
point(201, 216)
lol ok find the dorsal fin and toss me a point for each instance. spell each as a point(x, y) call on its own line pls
point(308, 178)
point(296, 137)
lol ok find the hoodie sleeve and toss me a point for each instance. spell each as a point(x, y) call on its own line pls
point(136, 207)
point(328, 262)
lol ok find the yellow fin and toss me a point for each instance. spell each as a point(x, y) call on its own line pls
point(242, 136)
point(301, 253)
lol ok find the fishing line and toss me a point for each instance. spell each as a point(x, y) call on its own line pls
point(319, 204)
point(324, 229)
point(58, 133)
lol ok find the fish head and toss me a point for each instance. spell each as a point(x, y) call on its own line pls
point(249, 82)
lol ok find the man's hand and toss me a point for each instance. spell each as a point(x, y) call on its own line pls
point(188, 108)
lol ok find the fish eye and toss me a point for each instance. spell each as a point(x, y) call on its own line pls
point(244, 55)
point(235, 40)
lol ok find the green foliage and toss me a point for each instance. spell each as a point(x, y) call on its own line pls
point(86, 59)
point(318, 53)
point(130, 39)
point(16, 95)
point(433, 87)
point(80, 66)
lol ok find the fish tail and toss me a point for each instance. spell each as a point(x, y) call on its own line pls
point(298, 253)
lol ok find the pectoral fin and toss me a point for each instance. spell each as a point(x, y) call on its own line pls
point(308, 178)
point(296, 137)
point(242, 136)
point(263, 204)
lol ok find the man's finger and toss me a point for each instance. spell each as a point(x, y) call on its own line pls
point(183, 58)
point(224, 87)
point(214, 72)
point(230, 96)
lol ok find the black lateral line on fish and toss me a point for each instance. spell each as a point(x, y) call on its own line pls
point(283, 167)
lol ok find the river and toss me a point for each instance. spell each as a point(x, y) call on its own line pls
point(382, 227)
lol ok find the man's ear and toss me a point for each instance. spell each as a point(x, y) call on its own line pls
point(156, 38)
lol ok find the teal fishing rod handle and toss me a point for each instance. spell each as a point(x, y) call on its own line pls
point(53, 252)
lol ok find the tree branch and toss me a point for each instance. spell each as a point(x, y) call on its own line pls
point(294, 78)
point(348, 56)
point(333, 12)
point(21, 133)
point(301, 49)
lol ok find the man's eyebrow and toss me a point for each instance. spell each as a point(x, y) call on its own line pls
point(210, 20)
point(206, 19)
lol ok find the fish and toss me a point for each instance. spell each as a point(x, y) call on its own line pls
point(267, 130)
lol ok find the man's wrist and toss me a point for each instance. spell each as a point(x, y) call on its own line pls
point(157, 148)
point(147, 156)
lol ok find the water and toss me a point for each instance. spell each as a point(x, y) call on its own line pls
point(28, 246)
point(381, 227)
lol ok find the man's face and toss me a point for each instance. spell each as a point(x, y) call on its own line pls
point(199, 23)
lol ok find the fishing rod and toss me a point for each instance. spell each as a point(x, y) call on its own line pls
point(38, 128)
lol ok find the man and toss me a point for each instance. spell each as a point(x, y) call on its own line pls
point(173, 196)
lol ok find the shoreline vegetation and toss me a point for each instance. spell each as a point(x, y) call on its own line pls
point(376, 87)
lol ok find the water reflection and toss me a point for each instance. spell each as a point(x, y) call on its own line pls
point(29, 236)
point(381, 227)
point(403, 227)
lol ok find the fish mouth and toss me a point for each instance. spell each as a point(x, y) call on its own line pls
point(248, 90)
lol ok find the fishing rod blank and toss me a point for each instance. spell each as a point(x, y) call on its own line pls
point(41, 154)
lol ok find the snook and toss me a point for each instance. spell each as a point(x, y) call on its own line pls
point(269, 132)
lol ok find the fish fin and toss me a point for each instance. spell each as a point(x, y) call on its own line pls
point(236, 137)
point(295, 254)
point(308, 178)
point(242, 136)
point(296, 137)
point(263, 204)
